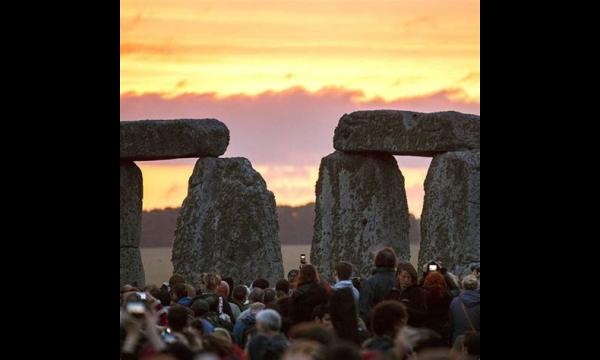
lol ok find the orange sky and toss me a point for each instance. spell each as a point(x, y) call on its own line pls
point(165, 184)
point(196, 55)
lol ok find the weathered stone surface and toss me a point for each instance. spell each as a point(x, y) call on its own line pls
point(450, 221)
point(170, 139)
point(131, 204)
point(406, 132)
point(132, 270)
point(228, 224)
point(360, 208)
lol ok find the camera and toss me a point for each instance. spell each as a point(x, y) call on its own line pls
point(302, 259)
point(141, 295)
point(136, 308)
point(433, 267)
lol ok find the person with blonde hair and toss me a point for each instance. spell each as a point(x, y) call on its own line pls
point(217, 303)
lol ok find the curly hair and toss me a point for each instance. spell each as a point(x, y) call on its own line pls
point(211, 281)
point(436, 282)
point(387, 317)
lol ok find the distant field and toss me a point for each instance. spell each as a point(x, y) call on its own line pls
point(158, 267)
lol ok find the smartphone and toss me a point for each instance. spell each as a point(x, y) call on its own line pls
point(302, 258)
point(142, 295)
point(136, 308)
point(168, 337)
point(432, 267)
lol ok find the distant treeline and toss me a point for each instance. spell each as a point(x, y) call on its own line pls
point(295, 226)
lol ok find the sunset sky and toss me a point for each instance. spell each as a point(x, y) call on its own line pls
point(281, 73)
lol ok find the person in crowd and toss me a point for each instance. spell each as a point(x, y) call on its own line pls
point(239, 297)
point(322, 316)
point(344, 317)
point(410, 293)
point(343, 273)
point(387, 319)
point(282, 287)
point(305, 350)
point(268, 343)
point(292, 275)
point(245, 323)
point(437, 299)
point(308, 294)
point(179, 294)
point(260, 283)
point(378, 285)
point(465, 309)
point(217, 303)
point(270, 299)
point(313, 332)
point(180, 317)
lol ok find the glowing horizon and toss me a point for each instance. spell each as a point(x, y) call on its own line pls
point(281, 73)
point(165, 184)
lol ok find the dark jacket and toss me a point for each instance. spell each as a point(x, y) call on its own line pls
point(382, 344)
point(263, 347)
point(437, 317)
point(458, 320)
point(242, 325)
point(374, 290)
point(413, 297)
point(213, 303)
point(304, 299)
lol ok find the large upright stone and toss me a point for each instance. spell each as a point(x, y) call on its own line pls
point(360, 208)
point(132, 270)
point(450, 220)
point(170, 139)
point(406, 132)
point(228, 224)
point(131, 204)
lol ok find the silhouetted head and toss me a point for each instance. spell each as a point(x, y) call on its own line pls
point(308, 274)
point(388, 317)
point(282, 287)
point(386, 258)
point(260, 283)
point(343, 270)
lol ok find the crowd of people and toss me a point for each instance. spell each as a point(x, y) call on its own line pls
point(393, 314)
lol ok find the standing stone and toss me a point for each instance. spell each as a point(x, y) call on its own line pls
point(131, 204)
point(171, 139)
point(132, 269)
point(450, 220)
point(406, 132)
point(131, 223)
point(360, 208)
point(228, 224)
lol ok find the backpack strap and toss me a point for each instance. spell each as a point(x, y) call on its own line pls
point(462, 304)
